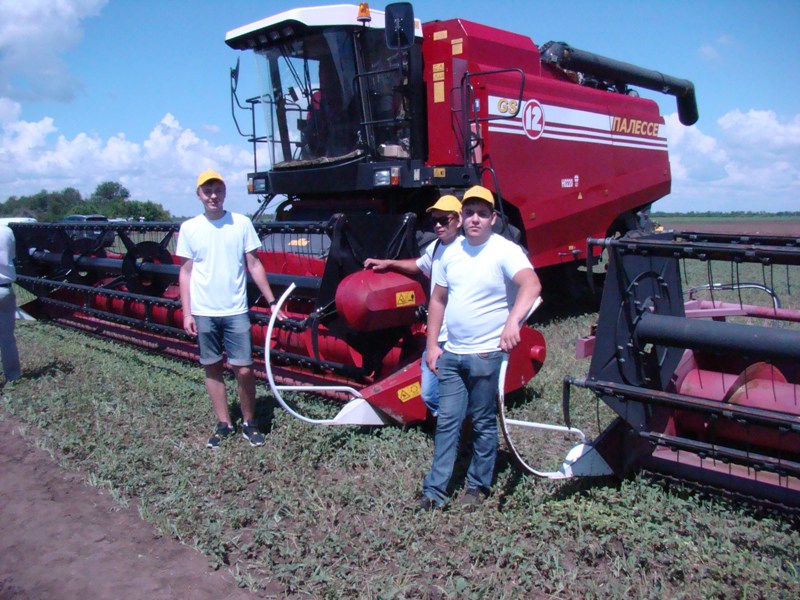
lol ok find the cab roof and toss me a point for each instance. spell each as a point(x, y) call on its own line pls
point(288, 23)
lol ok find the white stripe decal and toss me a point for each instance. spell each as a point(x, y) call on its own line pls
point(561, 123)
point(517, 131)
point(609, 141)
point(579, 132)
point(580, 118)
point(553, 136)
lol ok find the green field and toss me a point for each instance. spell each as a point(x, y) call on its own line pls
point(762, 224)
point(327, 512)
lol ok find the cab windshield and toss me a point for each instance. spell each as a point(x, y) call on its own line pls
point(330, 95)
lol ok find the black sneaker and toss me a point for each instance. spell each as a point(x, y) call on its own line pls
point(222, 431)
point(426, 504)
point(252, 434)
point(472, 497)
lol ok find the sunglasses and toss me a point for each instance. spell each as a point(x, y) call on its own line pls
point(443, 221)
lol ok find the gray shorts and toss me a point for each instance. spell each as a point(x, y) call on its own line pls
point(231, 334)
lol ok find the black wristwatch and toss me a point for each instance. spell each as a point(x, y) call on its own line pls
point(273, 303)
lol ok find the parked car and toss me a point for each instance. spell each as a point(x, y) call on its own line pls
point(8, 220)
point(106, 235)
point(84, 218)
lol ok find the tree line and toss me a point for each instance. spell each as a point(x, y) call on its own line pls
point(735, 213)
point(109, 198)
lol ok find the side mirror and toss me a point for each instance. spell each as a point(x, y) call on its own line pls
point(235, 75)
point(399, 23)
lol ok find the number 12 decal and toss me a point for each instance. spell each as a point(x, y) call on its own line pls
point(533, 119)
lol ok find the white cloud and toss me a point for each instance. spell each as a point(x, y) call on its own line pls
point(761, 129)
point(20, 140)
point(709, 53)
point(9, 110)
point(713, 51)
point(162, 168)
point(33, 33)
point(752, 165)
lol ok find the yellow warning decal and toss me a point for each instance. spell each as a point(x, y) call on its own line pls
point(299, 242)
point(410, 391)
point(440, 35)
point(438, 91)
point(404, 298)
point(439, 172)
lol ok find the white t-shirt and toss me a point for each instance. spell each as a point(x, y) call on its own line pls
point(430, 264)
point(218, 286)
point(480, 291)
point(8, 274)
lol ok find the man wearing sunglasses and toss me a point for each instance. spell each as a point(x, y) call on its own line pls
point(446, 218)
point(484, 287)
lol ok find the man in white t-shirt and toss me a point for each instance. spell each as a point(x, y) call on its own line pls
point(485, 288)
point(446, 217)
point(214, 248)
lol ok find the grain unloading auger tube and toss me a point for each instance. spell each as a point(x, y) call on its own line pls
point(696, 396)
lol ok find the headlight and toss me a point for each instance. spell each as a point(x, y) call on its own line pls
point(382, 177)
point(257, 186)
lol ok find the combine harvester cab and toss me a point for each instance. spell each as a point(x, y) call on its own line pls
point(363, 119)
point(704, 382)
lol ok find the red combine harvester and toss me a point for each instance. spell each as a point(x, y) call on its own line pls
point(364, 120)
point(365, 127)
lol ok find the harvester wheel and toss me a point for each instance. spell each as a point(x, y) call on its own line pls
point(138, 281)
point(69, 264)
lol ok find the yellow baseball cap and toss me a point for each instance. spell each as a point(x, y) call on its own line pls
point(446, 203)
point(480, 193)
point(207, 176)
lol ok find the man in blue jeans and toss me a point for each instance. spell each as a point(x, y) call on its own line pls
point(8, 305)
point(217, 249)
point(485, 288)
point(446, 216)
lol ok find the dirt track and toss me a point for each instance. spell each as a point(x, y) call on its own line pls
point(61, 538)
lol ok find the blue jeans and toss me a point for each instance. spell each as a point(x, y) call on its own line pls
point(8, 343)
point(467, 386)
point(430, 385)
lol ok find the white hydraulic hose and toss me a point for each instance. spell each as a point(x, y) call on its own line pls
point(276, 390)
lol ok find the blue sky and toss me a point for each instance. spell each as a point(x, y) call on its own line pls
point(137, 91)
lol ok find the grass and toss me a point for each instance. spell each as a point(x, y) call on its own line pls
point(325, 512)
